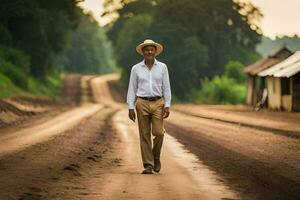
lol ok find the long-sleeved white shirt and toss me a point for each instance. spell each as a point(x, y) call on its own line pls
point(149, 83)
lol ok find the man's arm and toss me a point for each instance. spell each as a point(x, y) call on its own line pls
point(166, 92)
point(131, 94)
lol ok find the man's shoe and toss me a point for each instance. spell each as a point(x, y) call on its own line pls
point(147, 170)
point(157, 165)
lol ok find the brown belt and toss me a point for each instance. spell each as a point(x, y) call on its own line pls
point(150, 98)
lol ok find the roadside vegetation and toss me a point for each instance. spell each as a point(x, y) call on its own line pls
point(228, 88)
point(34, 87)
point(204, 41)
point(41, 40)
point(206, 44)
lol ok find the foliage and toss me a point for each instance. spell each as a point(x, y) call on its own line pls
point(40, 38)
point(194, 63)
point(220, 90)
point(229, 88)
point(50, 87)
point(13, 73)
point(90, 52)
point(8, 89)
point(135, 30)
point(16, 57)
point(233, 69)
point(199, 37)
point(48, 30)
point(40, 28)
point(14, 64)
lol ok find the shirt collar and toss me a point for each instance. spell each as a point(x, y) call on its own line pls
point(144, 65)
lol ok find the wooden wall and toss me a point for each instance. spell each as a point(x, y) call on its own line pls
point(250, 90)
point(296, 92)
point(274, 92)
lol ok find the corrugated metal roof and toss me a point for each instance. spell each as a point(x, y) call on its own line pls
point(282, 69)
point(288, 72)
point(275, 57)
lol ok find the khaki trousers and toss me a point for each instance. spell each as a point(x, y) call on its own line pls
point(150, 121)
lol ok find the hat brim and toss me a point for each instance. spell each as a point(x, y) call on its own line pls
point(159, 48)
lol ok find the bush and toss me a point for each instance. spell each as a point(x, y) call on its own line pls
point(34, 85)
point(17, 76)
point(8, 89)
point(219, 90)
point(233, 69)
point(53, 85)
point(16, 57)
point(50, 87)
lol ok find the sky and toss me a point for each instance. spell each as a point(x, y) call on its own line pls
point(280, 17)
point(96, 8)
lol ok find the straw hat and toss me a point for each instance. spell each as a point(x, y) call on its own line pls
point(159, 47)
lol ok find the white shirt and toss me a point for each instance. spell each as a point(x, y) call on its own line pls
point(149, 83)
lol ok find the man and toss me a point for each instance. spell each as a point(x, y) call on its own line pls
point(150, 93)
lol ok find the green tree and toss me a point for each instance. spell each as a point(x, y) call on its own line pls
point(91, 52)
point(233, 69)
point(193, 59)
point(40, 28)
point(219, 90)
point(199, 37)
point(217, 23)
point(136, 30)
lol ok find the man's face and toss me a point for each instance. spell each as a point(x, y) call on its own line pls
point(149, 52)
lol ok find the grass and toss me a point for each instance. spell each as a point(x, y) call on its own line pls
point(9, 89)
point(50, 87)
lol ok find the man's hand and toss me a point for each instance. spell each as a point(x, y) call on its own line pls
point(166, 112)
point(131, 115)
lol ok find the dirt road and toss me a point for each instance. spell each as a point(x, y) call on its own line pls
point(92, 152)
point(260, 164)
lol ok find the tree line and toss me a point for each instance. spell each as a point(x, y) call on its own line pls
point(203, 40)
point(200, 37)
point(41, 37)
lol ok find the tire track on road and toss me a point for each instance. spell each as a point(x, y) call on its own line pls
point(253, 178)
point(288, 133)
point(51, 169)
